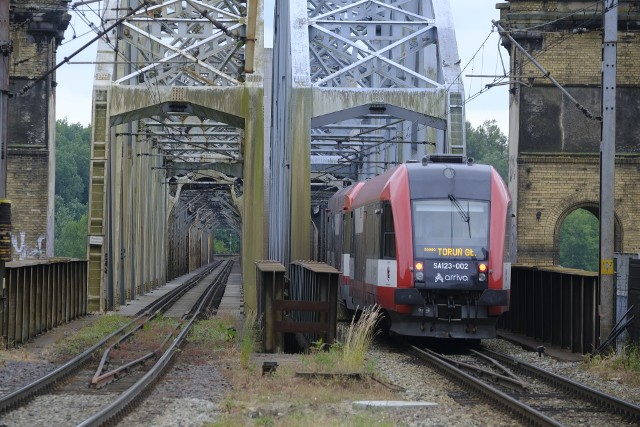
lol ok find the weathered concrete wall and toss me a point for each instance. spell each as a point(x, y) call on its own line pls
point(554, 147)
point(37, 27)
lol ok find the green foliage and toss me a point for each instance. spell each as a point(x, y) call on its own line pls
point(322, 357)
point(488, 145)
point(630, 359)
point(73, 148)
point(226, 241)
point(623, 366)
point(579, 244)
point(264, 420)
point(72, 240)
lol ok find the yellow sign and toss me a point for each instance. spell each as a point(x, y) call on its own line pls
point(452, 252)
point(606, 266)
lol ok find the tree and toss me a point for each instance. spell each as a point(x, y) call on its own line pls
point(226, 241)
point(73, 147)
point(72, 241)
point(579, 246)
point(487, 144)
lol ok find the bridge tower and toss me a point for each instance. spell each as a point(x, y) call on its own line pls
point(553, 144)
point(36, 30)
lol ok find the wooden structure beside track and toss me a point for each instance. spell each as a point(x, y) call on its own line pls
point(305, 304)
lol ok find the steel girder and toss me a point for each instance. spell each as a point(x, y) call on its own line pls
point(177, 101)
point(360, 85)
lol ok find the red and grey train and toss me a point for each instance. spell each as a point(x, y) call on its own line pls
point(424, 241)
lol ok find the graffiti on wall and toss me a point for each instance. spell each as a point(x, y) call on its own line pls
point(22, 250)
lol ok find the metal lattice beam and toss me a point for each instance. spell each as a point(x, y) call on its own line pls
point(362, 85)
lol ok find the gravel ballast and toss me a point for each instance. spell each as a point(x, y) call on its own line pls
point(197, 394)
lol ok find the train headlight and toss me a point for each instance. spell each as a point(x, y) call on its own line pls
point(482, 272)
point(419, 273)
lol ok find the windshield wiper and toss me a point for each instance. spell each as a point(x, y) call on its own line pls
point(465, 215)
point(456, 203)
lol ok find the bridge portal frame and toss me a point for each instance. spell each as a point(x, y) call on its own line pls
point(118, 226)
point(331, 61)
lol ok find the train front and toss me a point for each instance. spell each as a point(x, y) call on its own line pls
point(458, 213)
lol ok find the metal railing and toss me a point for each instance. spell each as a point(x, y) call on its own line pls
point(40, 295)
point(554, 305)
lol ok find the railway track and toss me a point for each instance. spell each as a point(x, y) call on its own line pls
point(533, 395)
point(117, 383)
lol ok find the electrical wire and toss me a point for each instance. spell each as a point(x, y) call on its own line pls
point(497, 79)
point(467, 100)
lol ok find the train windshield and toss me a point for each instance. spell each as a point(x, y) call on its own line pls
point(451, 228)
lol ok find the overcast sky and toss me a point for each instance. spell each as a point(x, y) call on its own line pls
point(472, 24)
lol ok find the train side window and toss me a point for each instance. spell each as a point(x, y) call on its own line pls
point(388, 233)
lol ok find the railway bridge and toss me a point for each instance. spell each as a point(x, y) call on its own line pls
point(197, 127)
point(196, 122)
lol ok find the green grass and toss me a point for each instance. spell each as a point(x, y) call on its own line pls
point(213, 331)
point(249, 334)
point(286, 400)
point(89, 335)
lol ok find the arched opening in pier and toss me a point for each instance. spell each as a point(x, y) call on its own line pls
point(578, 240)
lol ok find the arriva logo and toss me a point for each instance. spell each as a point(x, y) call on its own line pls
point(456, 277)
point(439, 278)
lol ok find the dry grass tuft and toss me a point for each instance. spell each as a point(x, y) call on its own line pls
point(623, 368)
point(358, 339)
point(348, 356)
point(17, 355)
point(281, 398)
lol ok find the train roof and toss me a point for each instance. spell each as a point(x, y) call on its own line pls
point(438, 180)
point(471, 181)
point(343, 198)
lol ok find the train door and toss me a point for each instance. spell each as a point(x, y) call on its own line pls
point(373, 240)
point(345, 244)
point(388, 233)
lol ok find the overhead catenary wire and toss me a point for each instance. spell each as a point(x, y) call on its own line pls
point(506, 74)
point(548, 75)
point(465, 101)
point(32, 84)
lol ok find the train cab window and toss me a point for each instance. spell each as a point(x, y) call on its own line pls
point(388, 233)
point(446, 227)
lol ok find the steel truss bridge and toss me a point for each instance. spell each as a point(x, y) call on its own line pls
point(198, 128)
